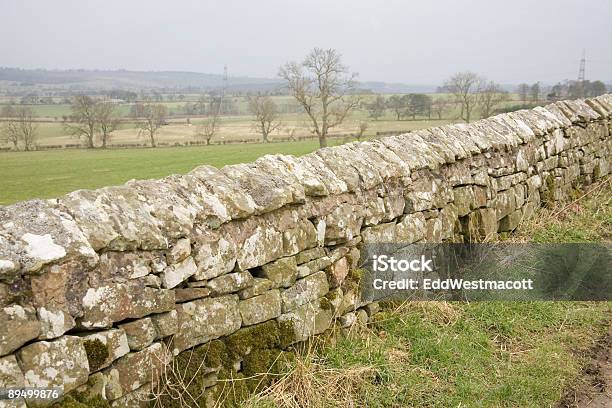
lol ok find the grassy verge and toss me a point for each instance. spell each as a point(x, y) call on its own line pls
point(439, 354)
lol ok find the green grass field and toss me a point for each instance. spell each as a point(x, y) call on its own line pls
point(47, 174)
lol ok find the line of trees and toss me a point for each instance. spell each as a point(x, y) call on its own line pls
point(473, 92)
point(19, 129)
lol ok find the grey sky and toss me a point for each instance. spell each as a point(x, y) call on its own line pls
point(410, 41)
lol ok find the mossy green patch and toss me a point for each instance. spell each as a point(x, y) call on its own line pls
point(97, 353)
point(77, 400)
point(263, 335)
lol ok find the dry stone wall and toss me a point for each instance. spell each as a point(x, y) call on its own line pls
point(100, 290)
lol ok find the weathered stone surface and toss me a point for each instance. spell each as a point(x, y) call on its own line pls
point(133, 370)
point(309, 255)
point(127, 265)
point(36, 233)
point(107, 304)
point(11, 377)
point(179, 251)
point(140, 333)
point(215, 254)
point(18, 325)
point(232, 282)
point(187, 294)
point(282, 272)
point(410, 228)
point(166, 324)
point(261, 308)
point(337, 272)
point(343, 223)
point(306, 320)
point(299, 238)
point(260, 285)
point(304, 291)
point(379, 233)
point(104, 347)
point(313, 266)
point(57, 363)
point(177, 273)
point(206, 319)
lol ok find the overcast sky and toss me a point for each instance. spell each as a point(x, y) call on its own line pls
point(410, 41)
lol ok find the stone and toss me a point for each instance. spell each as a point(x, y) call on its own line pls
point(18, 325)
point(260, 285)
point(232, 282)
point(128, 265)
point(434, 230)
point(166, 324)
point(411, 228)
point(305, 290)
point(511, 221)
point(282, 272)
point(337, 272)
point(362, 316)
point(464, 200)
point(343, 223)
point(347, 320)
point(180, 251)
point(306, 320)
point(206, 319)
point(104, 347)
point(372, 308)
point(11, 377)
point(58, 363)
point(309, 255)
point(112, 303)
point(260, 308)
point(177, 273)
point(186, 294)
point(382, 233)
point(134, 370)
point(54, 323)
point(140, 333)
point(313, 266)
point(299, 238)
point(215, 254)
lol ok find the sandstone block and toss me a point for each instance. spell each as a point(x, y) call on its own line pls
point(282, 272)
point(177, 273)
point(166, 324)
point(140, 333)
point(260, 285)
point(305, 290)
point(18, 325)
point(104, 347)
point(232, 282)
point(261, 308)
point(206, 319)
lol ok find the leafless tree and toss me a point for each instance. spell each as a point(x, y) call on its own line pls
point(20, 128)
point(523, 91)
point(440, 106)
point(107, 121)
point(465, 86)
point(154, 117)
point(266, 115)
point(534, 92)
point(363, 126)
point(83, 121)
point(491, 96)
point(322, 85)
point(208, 129)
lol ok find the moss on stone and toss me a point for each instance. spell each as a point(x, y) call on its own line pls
point(97, 353)
point(286, 333)
point(548, 195)
point(263, 335)
point(326, 304)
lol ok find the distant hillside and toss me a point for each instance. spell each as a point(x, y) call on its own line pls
point(79, 79)
point(129, 80)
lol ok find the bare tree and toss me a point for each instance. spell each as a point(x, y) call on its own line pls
point(322, 84)
point(376, 109)
point(491, 96)
point(20, 128)
point(523, 91)
point(208, 129)
point(534, 92)
point(398, 105)
point(363, 126)
point(465, 86)
point(107, 121)
point(440, 106)
point(154, 117)
point(83, 121)
point(266, 115)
